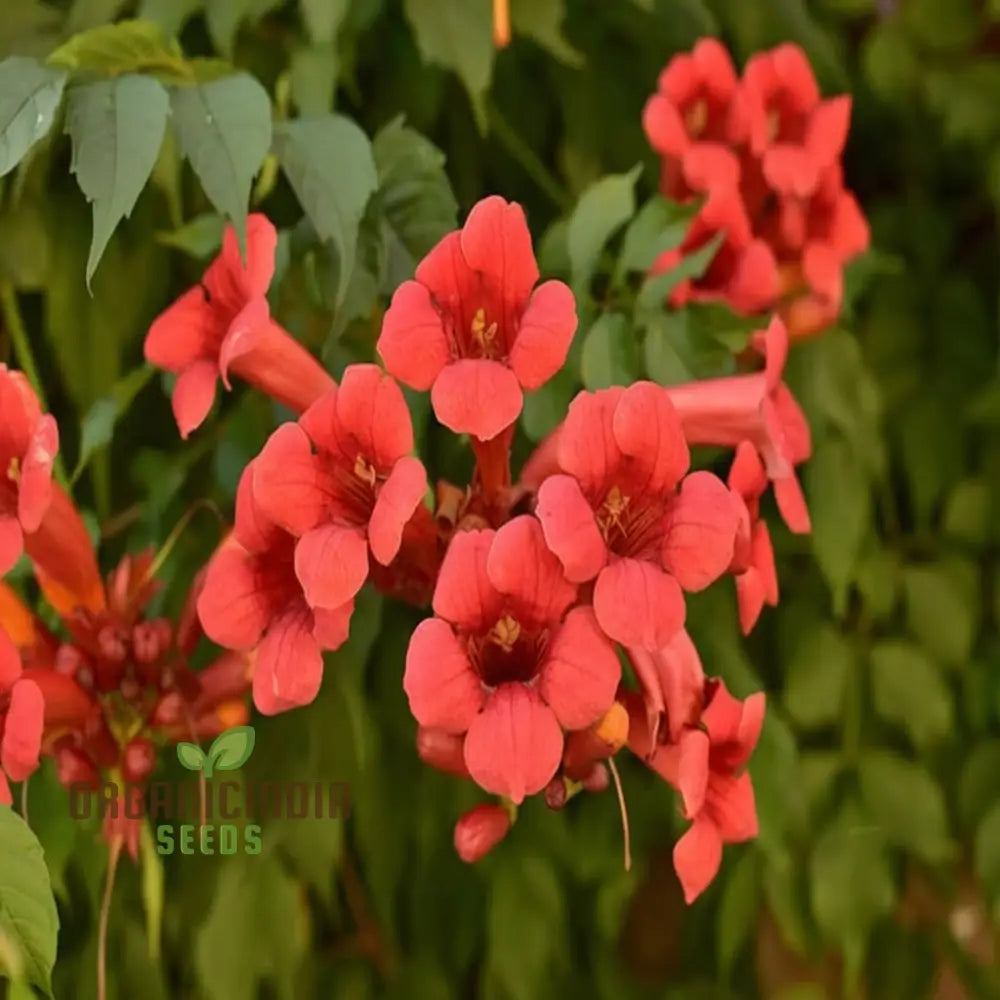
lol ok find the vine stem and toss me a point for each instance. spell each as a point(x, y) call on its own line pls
point(114, 853)
point(14, 322)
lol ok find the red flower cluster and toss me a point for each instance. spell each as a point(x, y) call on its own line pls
point(764, 152)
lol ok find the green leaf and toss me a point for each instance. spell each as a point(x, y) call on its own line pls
point(123, 47)
point(660, 225)
point(818, 673)
point(330, 166)
point(601, 211)
point(986, 852)
point(541, 20)
point(968, 512)
point(314, 70)
point(199, 238)
point(191, 756)
point(891, 61)
point(839, 505)
point(98, 425)
point(323, 18)
point(224, 128)
point(28, 918)
point(941, 611)
point(170, 15)
point(738, 911)
point(609, 351)
point(851, 884)
point(231, 750)
point(117, 128)
point(656, 289)
point(29, 96)
point(909, 691)
point(907, 804)
point(457, 35)
point(152, 890)
point(223, 18)
point(979, 782)
point(414, 191)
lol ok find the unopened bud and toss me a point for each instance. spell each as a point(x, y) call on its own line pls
point(150, 640)
point(555, 792)
point(73, 767)
point(602, 740)
point(442, 750)
point(68, 660)
point(479, 831)
point(138, 760)
point(598, 779)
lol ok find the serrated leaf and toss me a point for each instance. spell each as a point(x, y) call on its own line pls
point(608, 356)
point(601, 211)
point(329, 163)
point(230, 750)
point(29, 96)
point(152, 890)
point(28, 917)
point(124, 47)
point(907, 804)
point(191, 756)
point(223, 127)
point(908, 690)
point(117, 128)
point(457, 35)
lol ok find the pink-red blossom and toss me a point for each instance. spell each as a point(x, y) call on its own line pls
point(22, 717)
point(507, 661)
point(624, 514)
point(224, 325)
point(343, 482)
point(473, 328)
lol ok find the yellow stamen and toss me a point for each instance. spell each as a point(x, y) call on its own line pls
point(481, 333)
point(364, 471)
point(505, 633)
point(697, 118)
point(14, 469)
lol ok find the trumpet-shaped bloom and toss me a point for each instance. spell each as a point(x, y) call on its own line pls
point(473, 328)
point(706, 765)
point(22, 716)
point(507, 662)
point(252, 600)
point(753, 558)
point(758, 408)
point(356, 491)
point(29, 441)
point(224, 324)
point(624, 512)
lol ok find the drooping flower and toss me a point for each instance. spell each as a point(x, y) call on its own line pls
point(706, 765)
point(224, 324)
point(473, 328)
point(506, 661)
point(252, 599)
point(759, 408)
point(753, 558)
point(356, 491)
point(624, 512)
point(22, 716)
point(480, 830)
point(29, 441)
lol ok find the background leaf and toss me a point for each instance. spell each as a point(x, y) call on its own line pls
point(29, 96)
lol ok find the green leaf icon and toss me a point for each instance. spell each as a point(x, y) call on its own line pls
point(191, 756)
point(230, 750)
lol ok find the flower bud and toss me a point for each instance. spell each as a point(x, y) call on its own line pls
point(598, 779)
point(442, 750)
point(555, 792)
point(73, 766)
point(602, 740)
point(138, 760)
point(479, 831)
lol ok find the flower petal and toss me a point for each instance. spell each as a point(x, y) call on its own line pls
point(827, 130)
point(521, 567)
point(697, 857)
point(194, 394)
point(477, 396)
point(464, 595)
point(35, 484)
point(332, 626)
point(587, 446)
point(495, 241)
point(693, 770)
point(700, 531)
point(372, 410)
point(11, 542)
point(331, 563)
point(22, 735)
point(289, 666)
point(246, 331)
point(664, 126)
point(733, 807)
point(287, 483)
point(183, 333)
point(514, 744)
point(232, 607)
point(10, 661)
point(443, 689)
point(580, 672)
point(647, 429)
point(570, 528)
point(412, 343)
point(232, 282)
point(398, 498)
point(637, 604)
point(544, 334)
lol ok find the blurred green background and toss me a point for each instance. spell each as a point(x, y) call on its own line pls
point(877, 869)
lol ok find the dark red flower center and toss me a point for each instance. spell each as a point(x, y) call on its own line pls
point(632, 526)
point(508, 653)
point(8, 485)
point(352, 488)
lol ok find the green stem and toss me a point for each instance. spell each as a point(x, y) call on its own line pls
point(526, 157)
point(14, 323)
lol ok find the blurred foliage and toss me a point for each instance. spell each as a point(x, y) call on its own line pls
point(877, 869)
